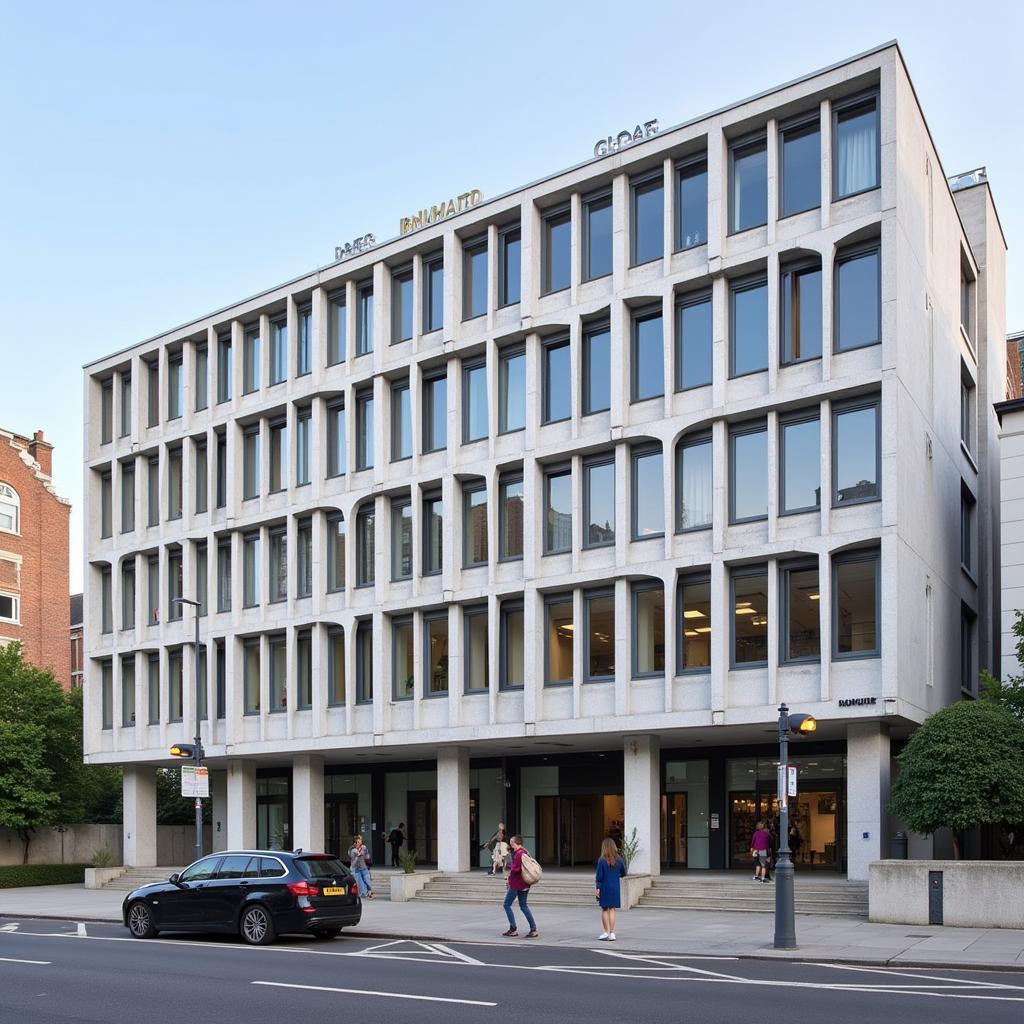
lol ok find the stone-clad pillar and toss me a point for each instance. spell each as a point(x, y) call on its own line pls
point(642, 790)
point(139, 790)
point(453, 809)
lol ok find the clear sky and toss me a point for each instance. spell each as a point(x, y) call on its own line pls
point(162, 161)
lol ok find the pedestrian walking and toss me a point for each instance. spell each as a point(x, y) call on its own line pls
point(498, 846)
point(761, 851)
point(395, 840)
point(610, 868)
point(360, 861)
point(795, 842)
point(518, 889)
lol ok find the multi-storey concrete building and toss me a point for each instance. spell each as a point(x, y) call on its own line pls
point(539, 511)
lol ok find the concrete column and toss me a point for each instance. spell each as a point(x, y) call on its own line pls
point(453, 809)
point(642, 789)
point(308, 802)
point(867, 793)
point(241, 805)
point(139, 789)
point(219, 810)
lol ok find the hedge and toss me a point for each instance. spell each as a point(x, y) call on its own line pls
point(15, 876)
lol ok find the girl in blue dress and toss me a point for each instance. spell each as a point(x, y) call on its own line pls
point(610, 868)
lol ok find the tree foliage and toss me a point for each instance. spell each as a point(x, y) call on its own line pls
point(1008, 692)
point(963, 767)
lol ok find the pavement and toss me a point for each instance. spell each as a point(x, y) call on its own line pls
point(693, 932)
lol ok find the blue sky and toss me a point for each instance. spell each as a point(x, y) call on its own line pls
point(163, 161)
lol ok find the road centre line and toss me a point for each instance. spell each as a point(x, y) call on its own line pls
point(12, 960)
point(371, 992)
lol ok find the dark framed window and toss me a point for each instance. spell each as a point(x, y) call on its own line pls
point(175, 389)
point(251, 676)
point(107, 411)
point(512, 655)
point(800, 312)
point(558, 640)
point(557, 510)
point(968, 504)
point(128, 593)
point(126, 403)
point(251, 360)
point(304, 669)
point(510, 524)
point(202, 377)
point(337, 328)
point(511, 389)
point(402, 662)
point(401, 421)
point(251, 462)
point(474, 279)
point(174, 484)
point(278, 351)
point(748, 184)
point(692, 203)
point(556, 238)
point(277, 569)
point(799, 463)
point(748, 326)
point(694, 483)
point(224, 368)
point(364, 429)
point(694, 340)
point(304, 557)
point(433, 533)
point(856, 452)
point(748, 473)
point(435, 412)
point(106, 600)
point(858, 298)
point(648, 630)
point(152, 491)
point(128, 497)
point(597, 368)
point(401, 305)
point(648, 355)
point(968, 675)
point(967, 406)
point(647, 487)
point(336, 439)
point(557, 398)
point(401, 538)
point(599, 501)
point(477, 650)
point(856, 160)
point(599, 635)
point(106, 503)
point(647, 209)
point(474, 524)
point(801, 613)
point(175, 680)
point(364, 661)
point(202, 490)
point(435, 653)
point(220, 677)
point(153, 688)
point(337, 530)
point(366, 546)
point(855, 606)
point(749, 600)
point(224, 574)
point(222, 469)
point(304, 342)
point(800, 164)
point(336, 667)
point(364, 318)
point(278, 431)
point(474, 401)
point(509, 268)
point(152, 392)
point(597, 236)
point(966, 300)
point(201, 580)
point(128, 691)
point(433, 293)
point(693, 650)
point(303, 429)
point(175, 566)
point(277, 650)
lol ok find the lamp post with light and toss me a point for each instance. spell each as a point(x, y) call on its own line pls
point(194, 750)
point(785, 922)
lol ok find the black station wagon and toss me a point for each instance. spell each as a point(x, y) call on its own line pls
point(258, 894)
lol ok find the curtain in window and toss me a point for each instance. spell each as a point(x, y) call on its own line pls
point(856, 156)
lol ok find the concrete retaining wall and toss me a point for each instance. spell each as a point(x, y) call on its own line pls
point(975, 894)
point(175, 844)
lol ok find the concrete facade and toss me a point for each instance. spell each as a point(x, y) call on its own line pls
point(331, 677)
point(1011, 517)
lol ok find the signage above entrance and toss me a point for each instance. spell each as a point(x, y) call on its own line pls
point(448, 208)
point(854, 702)
point(613, 143)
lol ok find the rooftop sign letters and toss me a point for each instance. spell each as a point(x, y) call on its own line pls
point(448, 208)
point(625, 138)
point(355, 247)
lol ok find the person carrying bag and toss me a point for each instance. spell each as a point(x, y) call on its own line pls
point(522, 869)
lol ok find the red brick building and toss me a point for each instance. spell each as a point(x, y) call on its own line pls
point(34, 556)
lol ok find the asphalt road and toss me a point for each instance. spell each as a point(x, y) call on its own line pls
point(54, 971)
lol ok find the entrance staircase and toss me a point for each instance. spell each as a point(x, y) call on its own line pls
point(134, 877)
point(570, 890)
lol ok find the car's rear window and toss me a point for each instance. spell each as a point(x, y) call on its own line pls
point(321, 867)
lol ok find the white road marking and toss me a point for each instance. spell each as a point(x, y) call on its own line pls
point(464, 957)
point(896, 972)
point(12, 960)
point(9, 928)
point(81, 933)
point(370, 992)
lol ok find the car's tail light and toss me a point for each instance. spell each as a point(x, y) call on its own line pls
point(303, 889)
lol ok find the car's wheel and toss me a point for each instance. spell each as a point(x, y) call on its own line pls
point(257, 926)
point(140, 921)
point(327, 933)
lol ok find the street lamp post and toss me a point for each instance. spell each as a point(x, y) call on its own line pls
point(197, 752)
point(785, 921)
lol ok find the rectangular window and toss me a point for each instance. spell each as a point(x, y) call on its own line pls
point(337, 328)
point(435, 413)
point(856, 453)
point(364, 661)
point(510, 525)
point(127, 497)
point(966, 302)
point(748, 185)
point(366, 547)
point(224, 389)
point(175, 696)
point(251, 570)
point(303, 427)
point(557, 382)
point(858, 298)
point(801, 637)
point(174, 481)
point(278, 351)
point(336, 534)
point(401, 305)
point(224, 574)
point(474, 401)
point(435, 653)
point(336, 667)
point(967, 506)
point(599, 502)
point(251, 462)
point(106, 601)
point(107, 694)
point(648, 486)
point(202, 574)
point(509, 269)
point(277, 649)
point(152, 590)
point(557, 510)
point(251, 360)
point(474, 524)
point(221, 677)
point(647, 209)
point(278, 456)
point(304, 342)
point(556, 234)
point(153, 491)
point(174, 583)
point(401, 539)
point(277, 566)
point(201, 486)
point(597, 236)
point(694, 327)
point(648, 356)
point(222, 470)
point(364, 318)
point(750, 618)
point(597, 369)
point(128, 594)
point(402, 674)
point(748, 322)
point(800, 314)
point(128, 691)
point(694, 652)
point(477, 677)
point(855, 601)
point(966, 408)
point(126, 403)
point(692, 204)
point(107, 411)
point(511, 389)
point(433, 534)
point(364, 430)
point(599, 635)
point(513, 646)
point(401, 422)
point(800, 166)
point(304, 558)
point(175, 387)
point(203, 682)
point(251, 676)
point(748, 474)
point(648, 631)
point(153, 688)
point(152, 393)
point(855, 160)
point(304, 669)
point(433, 294)
point(799, 464)
point(474, 279)
point(558, 653)
point(968, 676)
point(336, 439)
point(106, 505)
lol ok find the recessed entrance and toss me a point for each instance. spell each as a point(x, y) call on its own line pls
point(570, 828)
point(340, 822)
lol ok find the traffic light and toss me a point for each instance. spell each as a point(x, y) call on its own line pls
point(187, 750)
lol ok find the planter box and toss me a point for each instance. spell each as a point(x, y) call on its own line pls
point(632, 888)
point(405, 886)
point(96, 878)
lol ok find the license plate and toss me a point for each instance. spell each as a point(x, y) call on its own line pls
point(333, 890)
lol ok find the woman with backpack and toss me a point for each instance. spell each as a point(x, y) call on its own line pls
point(610, 868)
point(519, 888)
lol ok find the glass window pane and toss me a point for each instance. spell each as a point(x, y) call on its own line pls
point(750, 619)
point(648, 358)
point(858, 302)
point(558, 512)
point(856, 607)
point(749, 476)
point(855, 443)
point(511, 526)
point(597, 371)
point(475, 399)
point(401, 540)
point(364, 662)
point(401, 312)
point(304, 343)
point(857, 149)
point(433, 314)
point(599, 482)
point(475, 527)
point(514, 650)
point(693, 359)
point(557, 236)
point(801, 314)
point(648, 491)
point(648, 222)
point(695, 609)
point(366, 550)
point(401, 423)
point(801, 465)
point(801, 169)
point(649, 631)
point(749, 329)
point(304, 669)
point(694, 483)
point(511, 249)
point(803, 628)
point(600, 636)
point(749, 186)
point(364, 429)
point(364, 319)
point(402, 665)
point(337, 331)
point(512, 391)
point(474, 285)
point(559, 641)
point(437, 654)
point(435, 414)
point(336, 667)
point(278, 674)
point(599, 238)
point(433, 527)
point(476, 651)
point(692, 206)
point(557, 383)
point(251, 676)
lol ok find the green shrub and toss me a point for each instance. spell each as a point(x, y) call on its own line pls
point(407, 858)
point(102, 858)
point(15, 876)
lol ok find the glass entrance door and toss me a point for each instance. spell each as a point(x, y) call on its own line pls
point(570, 828)
point(340, 810)
point(273, 813)
point(673, 830)
point(422, 826)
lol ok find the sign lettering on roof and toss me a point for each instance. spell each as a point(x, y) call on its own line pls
point(613, 143)
point(444, 210)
